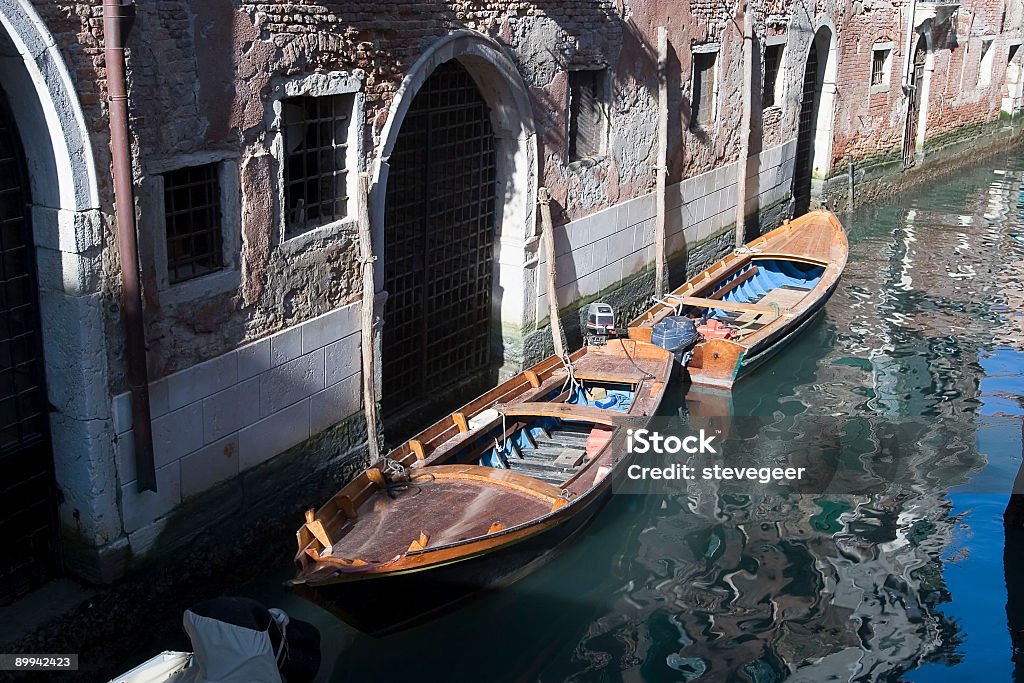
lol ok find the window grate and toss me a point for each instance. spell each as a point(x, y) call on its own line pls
point(192, 216)
point(26, 479)
point(703, 104)
point(587, 113)
point(879, 58)
point(772, 63)
point(316, 172)
point(439, 243)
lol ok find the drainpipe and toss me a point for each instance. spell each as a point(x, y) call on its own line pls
point(748, 84)
point(114, 15)
point(908, 62)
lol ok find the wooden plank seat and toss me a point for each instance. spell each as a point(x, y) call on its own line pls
point(485, 421)
point(567, 411)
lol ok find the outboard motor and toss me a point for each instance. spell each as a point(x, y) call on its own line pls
point(238, 640)
point(677, 334)
point(600, 324)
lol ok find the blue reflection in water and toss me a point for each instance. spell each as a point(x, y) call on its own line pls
point(974, 560)
point(906, 582)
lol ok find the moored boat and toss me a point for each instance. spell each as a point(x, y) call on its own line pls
point(483, 496)
point(746, 307)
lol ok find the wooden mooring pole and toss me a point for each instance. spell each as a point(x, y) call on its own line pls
point(368, 320)
point(548, 237)
point(741, 174)
point(661, 170)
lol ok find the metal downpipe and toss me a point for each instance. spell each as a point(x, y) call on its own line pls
point(114, 16)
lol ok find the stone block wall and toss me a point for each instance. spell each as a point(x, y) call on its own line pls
point(217, 419)
point(599, 251)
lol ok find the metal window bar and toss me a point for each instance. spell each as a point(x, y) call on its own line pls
point(192, 216)
point(772, 62)
point(439, 242)
point(27, 510)
point(316, 172)
point(702, 105)
point(586, 114)
point(878, 60)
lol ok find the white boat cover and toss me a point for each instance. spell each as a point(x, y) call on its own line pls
point(226, 653)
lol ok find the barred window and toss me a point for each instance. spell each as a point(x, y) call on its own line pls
point(192, 217)
point(316, 131)
point(587, 113)
point(880, 67)
point(702, 105)
point(772, 64)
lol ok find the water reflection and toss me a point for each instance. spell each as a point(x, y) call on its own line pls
point(912, 581)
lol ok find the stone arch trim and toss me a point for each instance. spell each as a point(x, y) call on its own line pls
point(822, 162)
point(506, 93)
point(68, 228)
point(76, 180)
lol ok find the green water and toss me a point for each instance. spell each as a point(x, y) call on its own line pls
point(915, 580)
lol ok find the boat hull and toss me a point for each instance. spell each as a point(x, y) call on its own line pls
point(379, 604)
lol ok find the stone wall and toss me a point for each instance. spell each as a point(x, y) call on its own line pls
point(229, 414)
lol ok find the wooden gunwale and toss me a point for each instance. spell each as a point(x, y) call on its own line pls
point(425, 558)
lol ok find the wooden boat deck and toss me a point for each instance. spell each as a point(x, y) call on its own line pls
point(811, 243)
point(450, 504)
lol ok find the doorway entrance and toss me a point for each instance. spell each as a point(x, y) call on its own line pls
point(439, 235)
point(27, 497)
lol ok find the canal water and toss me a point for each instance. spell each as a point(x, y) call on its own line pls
point(913, 579)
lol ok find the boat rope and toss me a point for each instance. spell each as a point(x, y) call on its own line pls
point(646, 375)
point(570, 377)
point(280, 619)
point(500, 448)
point(397, 477)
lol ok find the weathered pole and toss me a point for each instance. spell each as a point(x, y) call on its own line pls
point(548, 236)
point(748, 79)
point(368, 321)
point(661, 170)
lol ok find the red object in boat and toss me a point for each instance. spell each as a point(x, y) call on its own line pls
point(599, 436)
point(714, 329)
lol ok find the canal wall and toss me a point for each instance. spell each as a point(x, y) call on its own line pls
point(609, 255)
point(883, 176)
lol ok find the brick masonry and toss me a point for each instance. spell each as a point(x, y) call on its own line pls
point(244, 364)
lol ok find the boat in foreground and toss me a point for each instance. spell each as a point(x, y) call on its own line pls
point(483, 496)
point(746, 307)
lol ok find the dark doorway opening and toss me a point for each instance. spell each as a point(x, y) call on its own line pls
point(439, 232)
point(914, 107)
point(804, 162)
point(27, 491)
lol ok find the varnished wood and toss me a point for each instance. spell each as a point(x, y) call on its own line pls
point(567, 411)
point(816, 238)
point(471, 510)
point(417, 448)
point(700, 302)
point(531, 376)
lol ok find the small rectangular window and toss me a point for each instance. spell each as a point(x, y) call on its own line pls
point(192, 218)
point(880, 67)
point(703, 102)
point(316, 133)
point(772, 64)
point(587, 113)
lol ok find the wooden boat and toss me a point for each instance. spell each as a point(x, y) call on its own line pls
point(483, 496)
point(756, 299)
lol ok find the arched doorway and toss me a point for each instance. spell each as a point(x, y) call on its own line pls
point(27, 505)
point(439, 237)
point(912, 132)
point(804, 161)
point(814, 125)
